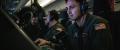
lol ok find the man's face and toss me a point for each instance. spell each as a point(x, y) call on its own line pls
point(73, 9)
point(34, 20)
point(46, 20)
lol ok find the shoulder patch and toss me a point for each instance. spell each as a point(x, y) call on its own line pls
point(59, 29)
point(100, 26)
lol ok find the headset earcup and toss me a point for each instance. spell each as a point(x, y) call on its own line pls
point(50, 18)
point(82, 8)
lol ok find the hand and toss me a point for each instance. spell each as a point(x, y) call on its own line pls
point(41, 42)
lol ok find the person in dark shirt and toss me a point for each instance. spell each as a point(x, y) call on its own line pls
point(55, 32)
point(86, 31)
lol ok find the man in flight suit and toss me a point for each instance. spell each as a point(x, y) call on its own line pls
point(86, 31)
point(55, 32)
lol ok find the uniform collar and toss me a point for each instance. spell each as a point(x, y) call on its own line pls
point(81, 22)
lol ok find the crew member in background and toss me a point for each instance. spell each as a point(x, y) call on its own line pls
point(55, 32)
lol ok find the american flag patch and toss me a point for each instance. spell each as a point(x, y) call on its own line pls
point(100, 26)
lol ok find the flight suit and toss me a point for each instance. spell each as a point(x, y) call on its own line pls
point(54, 35)
point(93, 35)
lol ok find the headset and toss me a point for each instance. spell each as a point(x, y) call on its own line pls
point(83, 7)
point(53, 15)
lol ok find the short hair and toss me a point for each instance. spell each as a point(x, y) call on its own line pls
point(54, 14)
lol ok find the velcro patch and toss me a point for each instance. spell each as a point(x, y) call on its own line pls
point(59, 29)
